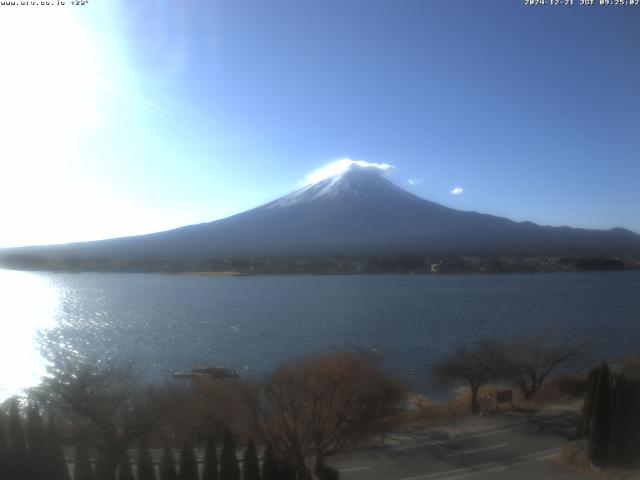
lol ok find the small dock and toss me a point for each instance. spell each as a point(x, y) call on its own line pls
point(207, 372)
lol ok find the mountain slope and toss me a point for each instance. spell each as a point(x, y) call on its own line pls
point(359, 211)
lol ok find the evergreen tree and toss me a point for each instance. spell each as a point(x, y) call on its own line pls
point(270, 465)
point(6, 464)
point(287, 472)
point(167, 465)
point(188, 463)
point(229, 468)
point(82, 465)
point(210, 468)
point(145, 469)
point(600, 428)
point(102, 470)
point(306, 474)
point(319, 465)
point(124, 467)
point(618, 420)
point(250, 466)
point(632, 447)
point(625, 435)
point(587, 407)
point(37, 444)
point(18, 449)
point(56, 462)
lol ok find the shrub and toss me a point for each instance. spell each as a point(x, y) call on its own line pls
point(229, 468)
point(600, 426)
point(57, 463)
point(270, 470)
point(210, 468)
point(21, 464)
point(167, 465)
point(145, 469)
point(81, 465)
point(124, 467)
point(188, 463)
point(6, 464)
point(250, 466)
point(37, 444)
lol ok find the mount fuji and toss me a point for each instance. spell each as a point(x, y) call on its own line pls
point(359, 211)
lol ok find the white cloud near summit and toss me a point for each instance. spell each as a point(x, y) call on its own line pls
point(457, 191)
point(340, 166)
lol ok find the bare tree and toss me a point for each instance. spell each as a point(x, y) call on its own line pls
point(528, 361)
point(192, 409)
point(473, 366)
point(105, 406)
point(321, 405)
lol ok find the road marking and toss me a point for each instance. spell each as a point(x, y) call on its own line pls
point(500, 468)
point(429, 475)
point(549, 450)
point(496, 466)
point(355, 469)
point(456, 439)
point(467, 452)
point(418, 445)
point(494, 432)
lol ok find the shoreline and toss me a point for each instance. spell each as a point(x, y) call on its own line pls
point(355, 264)
point(235, 273)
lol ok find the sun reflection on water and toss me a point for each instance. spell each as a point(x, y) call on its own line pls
point(28, 305)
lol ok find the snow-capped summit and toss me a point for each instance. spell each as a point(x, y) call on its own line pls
point(355, 183)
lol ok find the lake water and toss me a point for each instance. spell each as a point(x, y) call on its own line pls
point(165, 323)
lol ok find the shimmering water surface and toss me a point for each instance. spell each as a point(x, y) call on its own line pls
point(166, 323)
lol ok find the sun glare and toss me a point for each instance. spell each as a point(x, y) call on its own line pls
point(57, 89)
point(49, 73)
point(28, 306)
point(47, 93)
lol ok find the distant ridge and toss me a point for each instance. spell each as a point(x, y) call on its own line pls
point(355, 213)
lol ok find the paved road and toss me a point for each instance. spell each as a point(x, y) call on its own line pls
point(510, 446)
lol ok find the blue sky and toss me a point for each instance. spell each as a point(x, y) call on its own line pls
point(129, 117)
